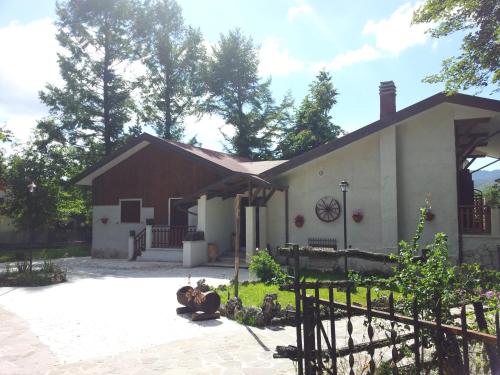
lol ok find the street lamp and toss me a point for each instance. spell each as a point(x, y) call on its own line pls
point(31, 190)
point(343, 187)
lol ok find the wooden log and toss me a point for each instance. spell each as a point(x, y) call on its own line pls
point(208, 302)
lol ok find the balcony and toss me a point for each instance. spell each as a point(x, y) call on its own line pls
point(475, 219)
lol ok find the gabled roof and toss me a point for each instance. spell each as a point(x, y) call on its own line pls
point(223, 162)
point(401, 115)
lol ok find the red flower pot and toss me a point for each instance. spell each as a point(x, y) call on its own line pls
point(299, 221)
point(104, 220)
point(429, 215)
point(357, 217)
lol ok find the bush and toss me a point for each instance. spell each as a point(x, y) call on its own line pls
point(266, 268)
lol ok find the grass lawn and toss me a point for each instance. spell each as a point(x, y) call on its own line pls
point(74, 250)
point(252, 294)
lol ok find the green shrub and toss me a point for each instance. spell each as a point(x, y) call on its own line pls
point(266, 268)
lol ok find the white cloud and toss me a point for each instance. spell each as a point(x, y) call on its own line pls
point(393, 35)
point(298, 11)
point(364, 53)
point(396, 33)
point(207, 130)
point(29, 61)
point(276, 60)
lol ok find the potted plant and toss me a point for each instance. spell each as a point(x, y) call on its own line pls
point(357, 215)
point(104, 220)
point(429, 215)
point(299, 221)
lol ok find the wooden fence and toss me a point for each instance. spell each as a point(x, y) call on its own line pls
point(317, 352)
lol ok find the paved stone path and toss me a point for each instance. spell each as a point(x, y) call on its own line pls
point(118, 317)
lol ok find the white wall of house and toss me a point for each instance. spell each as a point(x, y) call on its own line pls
point(390, 173)
point(359, 165)
point(216, 219)
point(110, 240)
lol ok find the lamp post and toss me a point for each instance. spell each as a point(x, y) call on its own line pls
point(343, 187)
point(31, 190)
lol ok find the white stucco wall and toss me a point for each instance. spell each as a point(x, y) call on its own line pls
point(359, 164)
point(390, 174)
point(110, 240)
point(218, 222)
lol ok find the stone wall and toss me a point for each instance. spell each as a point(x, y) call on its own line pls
point(484, 250)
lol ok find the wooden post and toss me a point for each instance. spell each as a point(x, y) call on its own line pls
point(287, 231)
point(237, 244)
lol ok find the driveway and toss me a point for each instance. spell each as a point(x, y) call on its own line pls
point(118, 317)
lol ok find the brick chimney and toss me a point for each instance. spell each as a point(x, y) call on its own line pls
point(387, 92)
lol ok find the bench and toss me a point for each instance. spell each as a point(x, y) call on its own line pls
point(322, 243)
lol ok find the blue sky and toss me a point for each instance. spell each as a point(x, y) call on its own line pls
point(360, 42)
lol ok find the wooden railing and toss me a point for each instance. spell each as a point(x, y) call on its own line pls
point(140, 243)
point(475, 219)
point(166, 236)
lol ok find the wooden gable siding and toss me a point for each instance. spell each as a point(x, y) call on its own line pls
point(155, 175)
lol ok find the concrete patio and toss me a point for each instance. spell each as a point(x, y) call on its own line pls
point(118, 317)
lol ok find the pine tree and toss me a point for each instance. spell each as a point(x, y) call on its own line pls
point(175, 59)
point(313, 124)
point(94, 100)
point(242, 100)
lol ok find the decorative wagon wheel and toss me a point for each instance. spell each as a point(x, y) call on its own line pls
point(328, 209)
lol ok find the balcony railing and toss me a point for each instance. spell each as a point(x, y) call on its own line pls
point(166, 236)
point(475, 219)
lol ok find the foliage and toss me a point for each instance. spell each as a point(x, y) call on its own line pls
point(66, 251)
point(491, 194)
point(48, 273)
point(478, 65)
point(94, 100)
point(54, 201)
point(175, 60)
point(313, 124)
point(266, 268)
point(242, 100)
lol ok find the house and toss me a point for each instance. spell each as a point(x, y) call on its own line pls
point(393, 166)
point(141, 182)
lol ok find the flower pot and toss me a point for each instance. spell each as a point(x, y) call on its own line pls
point(213, 252)
point(429, 215)
point(104, 220)
point(357, 217)
point(299, 221)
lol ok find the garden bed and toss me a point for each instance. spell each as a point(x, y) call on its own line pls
point(46, 274)
point(66, 251)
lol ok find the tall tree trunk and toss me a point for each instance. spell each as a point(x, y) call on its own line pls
point(106, 102)
point(167, 130)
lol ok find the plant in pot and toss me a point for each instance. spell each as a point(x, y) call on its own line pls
point(299, 221)
point(357, 215)
point(429, 215)
point(104, 220)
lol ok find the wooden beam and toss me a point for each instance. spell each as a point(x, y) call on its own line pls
point(269, 195)
point(250, 195)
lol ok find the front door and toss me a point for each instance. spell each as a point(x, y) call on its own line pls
point(177, 217)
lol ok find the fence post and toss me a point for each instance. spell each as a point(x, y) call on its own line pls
point(298, 318)
point(308, 319)
point(131, 245)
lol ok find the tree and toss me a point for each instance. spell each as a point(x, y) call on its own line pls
point(175, 60)
point(313, 124)
point(492, 195)
point(242, 100)
point(49, 165)
point(478, 65)
point(94, 100)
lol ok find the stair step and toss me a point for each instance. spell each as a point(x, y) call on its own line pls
point(161, 255)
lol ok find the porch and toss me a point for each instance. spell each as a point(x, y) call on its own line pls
point(479, 220)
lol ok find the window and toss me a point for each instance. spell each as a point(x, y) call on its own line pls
point(130, 211)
